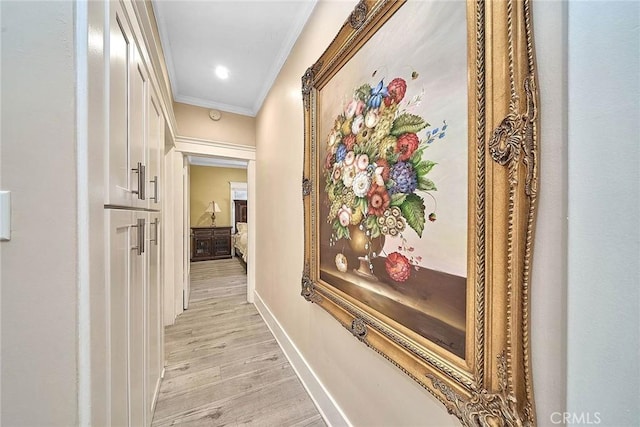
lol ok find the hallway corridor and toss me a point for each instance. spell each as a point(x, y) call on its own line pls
point(224, 368)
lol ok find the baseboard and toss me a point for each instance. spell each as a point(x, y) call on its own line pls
point(330, 411)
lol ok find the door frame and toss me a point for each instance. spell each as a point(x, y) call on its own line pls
point(206, 148)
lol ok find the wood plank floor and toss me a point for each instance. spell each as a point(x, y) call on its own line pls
point(224, 366)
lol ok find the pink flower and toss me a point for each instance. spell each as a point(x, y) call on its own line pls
point(398, 267)
point(328, 161)
point(406, 145)
point(354, 108)
point(362, 161)
point(337, 173)
point(384, 173)
point(396, 88)
point(349, 158)
point(344, 215)
point(358, 124)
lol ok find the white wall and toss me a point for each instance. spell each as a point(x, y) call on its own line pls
point(370, 390)
point(39, 264)
point(604, 211)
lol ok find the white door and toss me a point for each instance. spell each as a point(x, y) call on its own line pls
point(154, 327)
point(121, 238)
point(137, 315)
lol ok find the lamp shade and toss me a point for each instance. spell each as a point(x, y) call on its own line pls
point(213, 207)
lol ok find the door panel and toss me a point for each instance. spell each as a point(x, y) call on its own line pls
point(154, 304)
point(118, 225)
point(137, 134)
point(118, 151)
point(137, 315)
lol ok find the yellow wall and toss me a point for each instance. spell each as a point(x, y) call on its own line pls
point(194, 122)
point(212, 184)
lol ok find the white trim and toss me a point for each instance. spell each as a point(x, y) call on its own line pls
point(196, 146)
point(200, 147)
point(217, 162)
point(327, 406)
point(233, 187)
point(205, 103)
point(82, 199)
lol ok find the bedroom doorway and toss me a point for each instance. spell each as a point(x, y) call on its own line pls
point(240, 156)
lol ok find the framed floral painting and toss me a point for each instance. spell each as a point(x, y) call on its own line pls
point(420, 184)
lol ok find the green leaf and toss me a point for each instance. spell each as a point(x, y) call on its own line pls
point(424, 168)
point(413, 211)
point(362, 202)
point(407, 123)
point(363, 93)
point(416, 157)
point(397, 199)
point(426, 184)
point(375, 231)
point(336, 225)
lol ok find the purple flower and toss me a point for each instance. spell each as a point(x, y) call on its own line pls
point(404, 178)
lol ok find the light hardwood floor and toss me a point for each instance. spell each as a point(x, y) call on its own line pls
point(224, 366)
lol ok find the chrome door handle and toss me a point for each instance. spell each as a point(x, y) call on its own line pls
point(140, 226)
point(155, 189)
point(156, 222)
point(140, 170)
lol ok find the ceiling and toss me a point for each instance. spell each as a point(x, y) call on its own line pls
point(252, 39)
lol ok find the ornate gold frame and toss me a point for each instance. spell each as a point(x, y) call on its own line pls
point(492, 385)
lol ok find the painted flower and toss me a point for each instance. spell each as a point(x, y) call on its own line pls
point(358, 124)
point(384, 173)
point(349, 158)
point(378, 199)
point(404, 178)
point(371, 119)
point(398, 267)
point(356, 216)
point(341, 152)
point(348, 174)
point(334, 138)
point(328, 161)
point(377, 94)
point(361, 184)
point(344, 215)
point(362, 161)
point(396, 88)
point(336, 174)
point(407, 143)
point(349, 141)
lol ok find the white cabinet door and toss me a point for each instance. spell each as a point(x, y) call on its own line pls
point(137, 319)
point(154, 356)
point(155, 150)
point(120, 63)
point(120, 240)
point(128, 92)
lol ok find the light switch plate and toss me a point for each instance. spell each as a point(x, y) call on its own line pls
point(5, 216)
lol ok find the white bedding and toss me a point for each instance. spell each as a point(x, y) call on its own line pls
point(240, 240)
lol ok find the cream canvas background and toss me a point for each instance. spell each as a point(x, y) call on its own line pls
point(429, 38)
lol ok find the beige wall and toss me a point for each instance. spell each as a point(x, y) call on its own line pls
point(368, 389)
point(212, 184)
point(359, 379)
point(40, 264)
point(194, 122)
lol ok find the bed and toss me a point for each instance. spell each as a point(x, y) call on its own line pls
point(240, 241)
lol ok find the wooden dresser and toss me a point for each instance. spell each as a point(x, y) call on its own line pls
point(210, 243)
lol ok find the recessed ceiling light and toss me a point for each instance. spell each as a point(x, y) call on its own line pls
point(222, 72)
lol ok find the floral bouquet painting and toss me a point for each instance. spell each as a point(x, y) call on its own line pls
point(377, 177)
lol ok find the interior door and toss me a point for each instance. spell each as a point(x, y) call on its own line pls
point(154, 349)
point(137, 315)
point(120, 240)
